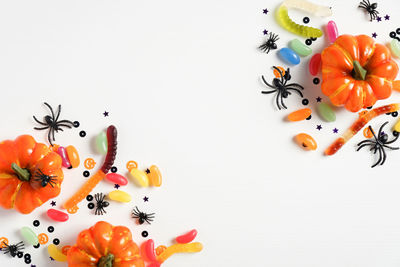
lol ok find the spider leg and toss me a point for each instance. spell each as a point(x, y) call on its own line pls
point(49, 137)
point(268, 92)
point(297, 90)
point(392, 141)
point(381, 128)
point(373, 133)
point(384, 156)
point(43, 128)
point(51, 110)
point(58, 112)
point(358, 149)
point(64, 125)
point(283, 104)
point(42, 123)
point(266, 83)
point(53, 132)
point(295, 85)
point(390, 147)
point(277, 99)
point(379, 160)
point(365, 141)
point(280, 73)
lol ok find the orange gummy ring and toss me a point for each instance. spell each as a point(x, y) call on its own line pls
point(43, 238)
point(131, 165)
point(160, 249)
point(367, 133)
point(89, 163)
point(277, 74)
point(3, 242)
point(65, 249)
point(73, 210)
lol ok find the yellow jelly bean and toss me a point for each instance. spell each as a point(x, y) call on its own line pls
point(397, 126)
point(55, 253)
point(140, 177)
point(154, 174)
point(73, 156)
point(120, 196)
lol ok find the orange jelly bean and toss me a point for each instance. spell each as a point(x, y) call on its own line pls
point(154, 175)
point(300, 114)
point(277, 74)
point(306, 141)
point(73, 156)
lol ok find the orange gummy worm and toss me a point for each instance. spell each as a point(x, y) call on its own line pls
point(358, 125)
point(100, 174)
point(179, 248)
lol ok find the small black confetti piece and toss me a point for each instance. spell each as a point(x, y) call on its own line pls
point(86, 173)
point(389, 113)
point(395, 133)
point(392, 34)
point(306, 20)
point(56, 241)
point(37, 246)
point(28, 261)
point(114, 169)
point(145, 233)
point(308, 42)
point(395, 113)
point(20, 254)
point(76, 124)
point(50, 229)
point(315, 80)
point(305, 101)
point(369, 107)
point(398, 30)
point(36, 223)
point(90, 206)
point(89, 197)
point(308, 118)
point(82, 133)
point(313, 39)
point(27, 256)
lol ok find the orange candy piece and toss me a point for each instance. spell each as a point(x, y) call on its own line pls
point(306, 141)
point(131, 165)
point(277, 74)
point(43, 238)
point(89, 163)
point(3, 242)
point(367, 133)
point(155, 178)
point(300, 114)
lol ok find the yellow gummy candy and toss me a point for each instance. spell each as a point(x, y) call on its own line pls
point(397, 126)
point(120, 196)
point(55, 253)
point(140, 177)
point(179, 248)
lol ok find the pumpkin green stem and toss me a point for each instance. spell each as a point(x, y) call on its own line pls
point(106, 261)
point(359, 72)
point(23, 174)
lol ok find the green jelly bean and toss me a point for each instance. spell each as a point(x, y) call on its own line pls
point(395, 47)
point(300, 48)
point(326, 112)
point(101, 143)
point(29, 236)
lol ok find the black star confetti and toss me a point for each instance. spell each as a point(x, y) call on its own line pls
point(374, 35)
point(387, 17)
point(105, 114)
point(53, 203)
point(319, 127)
point(379, 19)
point(145, 199)
point(116, 186)
point(335, 130)
point(319, 99)
point(265, 11)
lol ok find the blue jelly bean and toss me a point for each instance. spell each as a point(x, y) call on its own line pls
point(289, 56)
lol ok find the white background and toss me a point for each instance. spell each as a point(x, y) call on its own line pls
point(181, 82)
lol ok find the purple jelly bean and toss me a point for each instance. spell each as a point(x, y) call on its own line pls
point(63, 154)
point(289, 56)
point(332, 31)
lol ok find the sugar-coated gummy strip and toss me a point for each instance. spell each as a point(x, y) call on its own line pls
point(179, 248)
point(358, 125)
point(314, 9)
point(100, 174)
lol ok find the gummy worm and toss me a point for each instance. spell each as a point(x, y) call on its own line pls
point(358, 125)
point(282, 16)
point(100, 174)
point(179, 248)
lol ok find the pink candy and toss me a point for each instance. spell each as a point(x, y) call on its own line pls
point(315, 64)
point(332, 31)
point(63, 154)
point(149, 249)
point(187, 238)
point(57, 215)
point(117, 178)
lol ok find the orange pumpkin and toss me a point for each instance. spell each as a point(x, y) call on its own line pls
point(30, 174)
point(356, 72)
point(104, 245)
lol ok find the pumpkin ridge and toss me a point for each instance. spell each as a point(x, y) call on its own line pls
point(340, 89)
point(344, 52)
point(14, 196)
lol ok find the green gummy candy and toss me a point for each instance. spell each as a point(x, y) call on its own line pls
point(395, 47)
point(300, 48)
point(101, 143)
point(29, 236)
point(326, 112)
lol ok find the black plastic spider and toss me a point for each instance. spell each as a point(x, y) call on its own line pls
point(100, 204)
point(270, 43)
point(281, 86)
point(143, 217)
point(379, 144)
point(370, 8)
point(45, 179)
point(52, 123)
point(13, 249)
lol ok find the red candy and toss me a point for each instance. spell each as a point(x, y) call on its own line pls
point(315, 64)
point(154, 264)
point(117, 178)
point(149, 249)
point(186, 238)
point(57, 215)
point(63, 154)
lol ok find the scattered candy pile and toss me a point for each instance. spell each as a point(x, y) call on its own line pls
point(356, 73)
